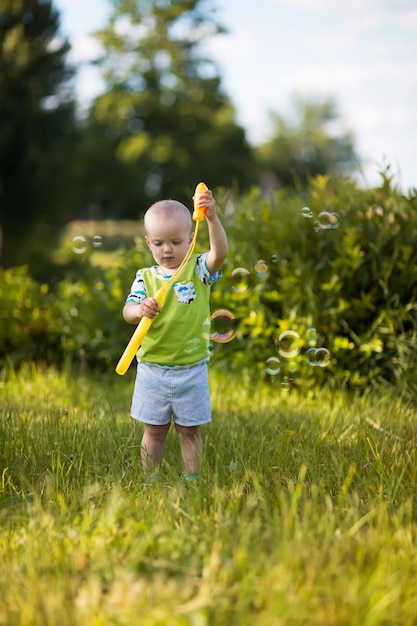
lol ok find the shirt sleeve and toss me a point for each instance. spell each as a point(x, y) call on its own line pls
point(138, 290)
point(203, 273)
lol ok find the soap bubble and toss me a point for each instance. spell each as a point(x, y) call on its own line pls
point(334, 219)
point(273, 366)
point(192, 345)
point(241, 280)
point(288, 344)
point(97, 241)
point(328, 220)
point(318, 357)
point(286, 383)
point(79, 244)
point(261, 268)
point(306, 212)
point(205, 329)
point(223, 324)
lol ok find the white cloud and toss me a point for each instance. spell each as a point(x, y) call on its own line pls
point(357, 6)
point(237, 46)
point(372, 13)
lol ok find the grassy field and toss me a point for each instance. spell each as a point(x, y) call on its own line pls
point(305, 513)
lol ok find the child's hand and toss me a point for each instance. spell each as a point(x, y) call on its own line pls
point(148, 308)
point(207, 202)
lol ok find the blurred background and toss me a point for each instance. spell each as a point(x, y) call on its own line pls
point(361, 54)
point(108, 106)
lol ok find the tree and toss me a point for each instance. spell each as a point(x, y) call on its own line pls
point(164, 113)
point(313, 143)
point(36, 130)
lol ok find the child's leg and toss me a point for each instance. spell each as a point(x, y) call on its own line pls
point(152, 446)
point(191, 447)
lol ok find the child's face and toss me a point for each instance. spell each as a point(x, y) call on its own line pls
point(168, 240)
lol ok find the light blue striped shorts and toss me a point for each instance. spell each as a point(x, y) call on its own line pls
point(164, 393)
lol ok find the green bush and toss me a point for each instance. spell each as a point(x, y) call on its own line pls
point(340, 260)
point(80, 319)
point(333, 265)
point(25, 317)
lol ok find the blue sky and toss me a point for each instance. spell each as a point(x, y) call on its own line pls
point(362, 53)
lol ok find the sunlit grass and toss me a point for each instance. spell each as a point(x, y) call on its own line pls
point(305, 512)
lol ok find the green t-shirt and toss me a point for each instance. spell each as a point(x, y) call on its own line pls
point(179, 335)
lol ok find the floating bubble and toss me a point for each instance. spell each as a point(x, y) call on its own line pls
point(334, 219)
point(261, 268)
point(318, 357)
point(205, 329)
point(192, 345)
point(288, 344)
point(323, 355)
point(328, 220)
point(286, 383)
point(306, 212)
point(311, 336)
point(311, 356)
point(274, 258)
point(79, 244)
point(273, 366)
point(97, 241)
point(223, 324)
point(241, 280)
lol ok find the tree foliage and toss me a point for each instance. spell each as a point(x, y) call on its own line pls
point(36, 125)
point(162, 124)
point(164, 115)
point(312, 142)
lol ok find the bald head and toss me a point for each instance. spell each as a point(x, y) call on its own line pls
point(168, 233)
point(167, 211)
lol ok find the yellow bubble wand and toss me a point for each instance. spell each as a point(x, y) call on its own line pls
point(146, 322)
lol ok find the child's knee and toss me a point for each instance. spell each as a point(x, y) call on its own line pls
point(188, 432)
point(156, 433)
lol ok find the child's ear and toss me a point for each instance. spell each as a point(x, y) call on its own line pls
point(147, 241)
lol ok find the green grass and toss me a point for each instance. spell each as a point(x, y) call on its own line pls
point(305, 513)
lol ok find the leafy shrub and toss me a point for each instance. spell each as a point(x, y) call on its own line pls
point(25, 317)
point(353, 280)
point(87, 311)
point(335, 258)
point(79, 319)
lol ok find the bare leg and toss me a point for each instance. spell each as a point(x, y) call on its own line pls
point(191, 447)
point(152, 447)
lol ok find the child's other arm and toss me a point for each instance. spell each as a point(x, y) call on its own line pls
point(133, 312)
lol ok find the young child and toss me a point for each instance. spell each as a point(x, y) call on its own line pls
point(172, 377)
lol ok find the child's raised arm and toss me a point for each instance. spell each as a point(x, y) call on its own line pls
point(217, 235)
